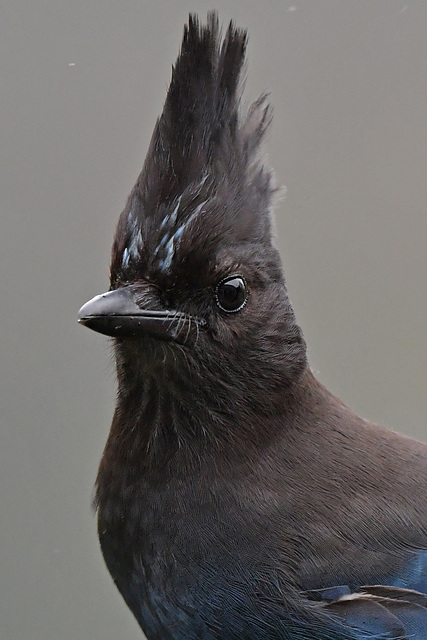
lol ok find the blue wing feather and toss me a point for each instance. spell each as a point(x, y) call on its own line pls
point(395, 610)
point(414, 574)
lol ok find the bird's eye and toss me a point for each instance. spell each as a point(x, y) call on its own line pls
point(231, 294)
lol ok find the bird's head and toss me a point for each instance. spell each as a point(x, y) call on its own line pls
point(197, 290)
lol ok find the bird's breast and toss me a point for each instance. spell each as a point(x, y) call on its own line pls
point(181, 559)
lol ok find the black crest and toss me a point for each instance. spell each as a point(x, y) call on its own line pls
point(203, 169)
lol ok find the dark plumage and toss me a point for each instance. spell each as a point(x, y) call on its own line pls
point(237, 498)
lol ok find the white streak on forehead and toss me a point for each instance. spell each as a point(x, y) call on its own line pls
point(196, 212)
point(125, 258)
point(135, 245)
point(169, 243)
point(132, 217)
point(170, 219)
point(202, 181)
point(170, 250)
point(134, 248)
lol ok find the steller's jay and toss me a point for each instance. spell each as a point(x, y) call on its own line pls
point(237, 498)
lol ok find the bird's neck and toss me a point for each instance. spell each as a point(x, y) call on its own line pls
point(158, 428)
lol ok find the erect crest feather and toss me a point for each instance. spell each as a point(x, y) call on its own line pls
point(203, 155)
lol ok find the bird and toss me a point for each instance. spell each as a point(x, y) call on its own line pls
point(238, 498)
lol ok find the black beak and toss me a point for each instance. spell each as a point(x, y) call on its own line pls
point(117, 314)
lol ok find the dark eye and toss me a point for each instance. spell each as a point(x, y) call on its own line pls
point(231, 294)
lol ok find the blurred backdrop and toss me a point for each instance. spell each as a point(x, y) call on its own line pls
point(82, 84)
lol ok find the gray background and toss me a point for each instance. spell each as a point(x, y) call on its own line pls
point(348, 84)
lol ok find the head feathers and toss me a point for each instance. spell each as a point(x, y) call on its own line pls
point(203, 177)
